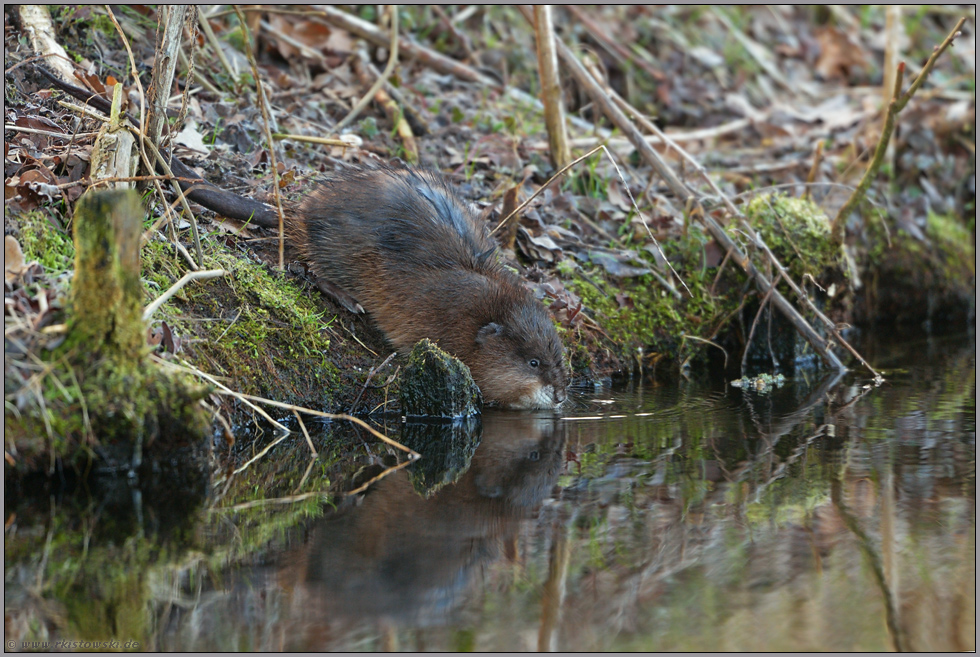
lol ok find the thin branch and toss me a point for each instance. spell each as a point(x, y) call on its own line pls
point(897, 104)
point(520, 208)
point(184, 280)
point(263, 105)
point(306, 434)
point(216, 46)
point(181, 196)
point(326, 141)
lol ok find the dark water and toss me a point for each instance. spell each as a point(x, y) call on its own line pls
point(825, 515)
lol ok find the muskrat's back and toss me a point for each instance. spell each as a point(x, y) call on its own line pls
point(409, 250)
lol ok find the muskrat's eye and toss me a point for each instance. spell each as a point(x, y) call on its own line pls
point(533, 362)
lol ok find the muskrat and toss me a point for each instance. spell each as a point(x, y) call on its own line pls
point(414, 256)
point(404, 245)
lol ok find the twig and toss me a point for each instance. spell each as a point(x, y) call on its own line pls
point(303, 49)
point(701, 134)
point(184, 280)
point(814, 169)
point(755, 322)
point(287, 499)
point(612, 45)
point(263, 105)
point(374, 370)
point(48, 133)
point(874, 560)
point(380, 476)
point(415, 118)
point(85, 111)
point(897, 104)
point(412, 454)
point(306, 434)
point(461, 38)
point(265, 451)
point(326, 141)
point(216, 45)
point(385, 74)
point(88, 181)
point(390, 107)
point(196, 75)
point(223, 389)
point(183, 199)
point(520, 208)
point(762, 56)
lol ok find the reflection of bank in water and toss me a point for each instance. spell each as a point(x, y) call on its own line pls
point(397, 558)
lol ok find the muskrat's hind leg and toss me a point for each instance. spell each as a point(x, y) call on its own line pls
point(340, 295)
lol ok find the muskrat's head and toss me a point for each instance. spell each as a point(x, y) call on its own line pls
point(519, 360)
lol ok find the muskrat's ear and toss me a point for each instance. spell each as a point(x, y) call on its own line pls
point(491, 330)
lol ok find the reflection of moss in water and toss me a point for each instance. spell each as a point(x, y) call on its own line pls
point(84, 572)
point(446, 449)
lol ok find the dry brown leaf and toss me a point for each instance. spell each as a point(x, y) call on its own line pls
point(13, 259)
point(839, 56)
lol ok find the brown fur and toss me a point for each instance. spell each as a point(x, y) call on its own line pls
point(403, 244)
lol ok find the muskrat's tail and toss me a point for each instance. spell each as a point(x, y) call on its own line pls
point(227, 204)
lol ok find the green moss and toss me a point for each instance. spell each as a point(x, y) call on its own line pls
point(41, 240)
point(259, 328)
point(955, 243)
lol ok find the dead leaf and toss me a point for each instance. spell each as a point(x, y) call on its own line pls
point(13, 259)
point(541, 248)
point(614, 266)
point(839, 56)
point(191, 138)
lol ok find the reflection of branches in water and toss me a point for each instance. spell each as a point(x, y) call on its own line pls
point(363, 487)
point(874, 560)
point(783, 426)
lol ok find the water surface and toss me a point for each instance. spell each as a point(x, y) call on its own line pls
point(825, 515)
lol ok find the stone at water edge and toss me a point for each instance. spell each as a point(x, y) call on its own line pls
point(437, 385)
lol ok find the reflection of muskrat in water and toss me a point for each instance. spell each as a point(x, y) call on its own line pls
point(407, 248)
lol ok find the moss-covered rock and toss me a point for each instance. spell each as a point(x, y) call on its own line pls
point(797, 231)
point(436, 385)
point(930, 278)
